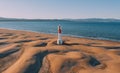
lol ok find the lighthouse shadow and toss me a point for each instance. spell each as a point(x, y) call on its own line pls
point(65, 43)
point(70, 44)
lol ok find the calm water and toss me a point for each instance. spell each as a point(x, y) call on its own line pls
point(108, 31)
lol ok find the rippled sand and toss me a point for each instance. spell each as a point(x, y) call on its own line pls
point(30, 52)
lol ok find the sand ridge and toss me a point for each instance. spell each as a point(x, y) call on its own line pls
point(30, 52)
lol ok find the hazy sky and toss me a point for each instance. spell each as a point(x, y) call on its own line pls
point(60, 9)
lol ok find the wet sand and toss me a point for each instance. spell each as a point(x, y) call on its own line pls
point(30, 52)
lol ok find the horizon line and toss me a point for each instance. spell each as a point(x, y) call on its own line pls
point(60, 18)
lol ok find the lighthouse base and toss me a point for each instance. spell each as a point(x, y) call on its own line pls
point(59, 42)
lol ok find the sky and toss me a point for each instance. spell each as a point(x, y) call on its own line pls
point(60, 9)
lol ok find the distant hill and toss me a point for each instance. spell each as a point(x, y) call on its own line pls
point(22, 19)
point(9, 19)
point(76, 20)
point(2, 18)
point(96, 20)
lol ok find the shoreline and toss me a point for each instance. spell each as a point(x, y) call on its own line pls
point(66, 35)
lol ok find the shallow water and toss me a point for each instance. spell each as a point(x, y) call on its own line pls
point(99, 30)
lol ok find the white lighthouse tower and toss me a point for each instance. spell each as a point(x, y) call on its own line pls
point(59, 40)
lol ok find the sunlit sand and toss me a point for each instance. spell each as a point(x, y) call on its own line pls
point(30, 52)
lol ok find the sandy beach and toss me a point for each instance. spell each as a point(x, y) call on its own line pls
point(30, 52)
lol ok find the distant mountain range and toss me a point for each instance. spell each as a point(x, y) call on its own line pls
point(76, 20)
point(96, 20)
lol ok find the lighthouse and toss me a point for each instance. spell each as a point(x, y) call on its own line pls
point(59, 40)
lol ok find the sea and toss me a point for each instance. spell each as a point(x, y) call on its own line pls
point(93, 30)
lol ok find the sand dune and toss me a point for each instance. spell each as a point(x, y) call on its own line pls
point(30, 52)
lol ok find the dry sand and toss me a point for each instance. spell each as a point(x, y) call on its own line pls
point(30, 52)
